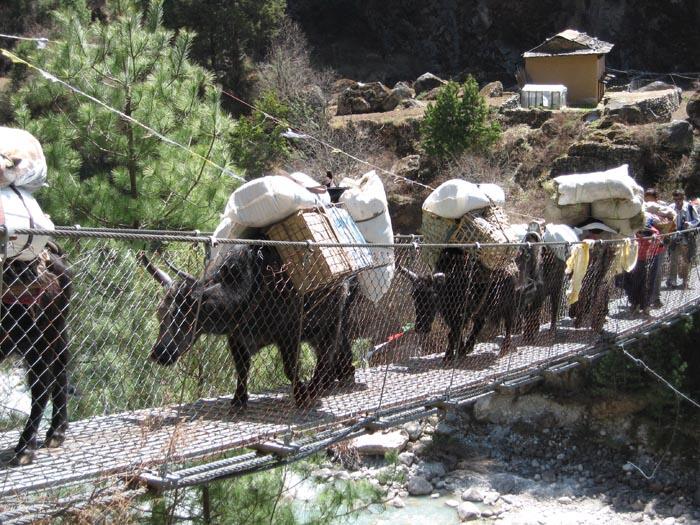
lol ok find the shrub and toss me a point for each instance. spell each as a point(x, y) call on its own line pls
point(456, 123)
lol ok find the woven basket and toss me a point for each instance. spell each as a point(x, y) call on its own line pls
point(489, 225)
point(310, 269)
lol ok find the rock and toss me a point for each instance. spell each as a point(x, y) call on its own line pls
point(401, 92)
point(419, 486)
point(677, 510)
point(407, 458)
point(588, 156)
point(669, 521)
point(628, 467)
point(380, 443)
point(414, 430)
point(435, 495)
point(403, 493)
point(473, 494)
point(432, 470)
point(365, 98)
point(397, 502)
point(467, 511)
point(427, 82)
point(408, 167)
point(657, 85)
point(512, 102)
point(452, 503)
point(504, 410)
point(445, 429)
point(642, 108)
point(492, 89)
point(490, 498)
point(565, 500)
point(676, 136)
point(533, 117)
point(693, 110)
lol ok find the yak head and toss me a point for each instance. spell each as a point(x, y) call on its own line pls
point(426, 290)
point(191, 307)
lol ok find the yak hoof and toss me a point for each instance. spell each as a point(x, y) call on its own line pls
point(25, 457)
point(238, 404)
point(54, 440)
point(304, 396)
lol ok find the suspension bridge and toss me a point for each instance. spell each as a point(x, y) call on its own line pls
point(137, 426)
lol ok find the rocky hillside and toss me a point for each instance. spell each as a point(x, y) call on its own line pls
point(394, 40)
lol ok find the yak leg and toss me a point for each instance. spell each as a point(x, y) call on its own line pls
point(344, 370)
point(54, 339)
point(241, 357)
point(477, 326)
point(506, 345)
point(290, 361)
point(531, 323)
point(40, 383)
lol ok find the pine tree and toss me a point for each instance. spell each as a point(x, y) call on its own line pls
point(103, 169)
point(456, 123)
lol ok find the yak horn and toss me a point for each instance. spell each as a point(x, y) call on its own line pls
point(408, 273)
point(159, 275)
point(180, 273)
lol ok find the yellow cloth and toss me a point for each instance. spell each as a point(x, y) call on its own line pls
point(576, 266)
point(625, 257)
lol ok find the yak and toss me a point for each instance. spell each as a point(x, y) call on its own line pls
point(463, 291)
point(35, 301)
point(247, 296)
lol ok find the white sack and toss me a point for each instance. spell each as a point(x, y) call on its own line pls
point(616, 208)
point(22, 161)
point(23, 212)
point(268, 200)
point(493, 192)
point(559, 233)
point(590, 187)
point(627, 227)
point(518, 232)
point(454, 198)
point(312, 185)
point(365, 201)
point(571, 214)
point(227, 229)
point(660, 209)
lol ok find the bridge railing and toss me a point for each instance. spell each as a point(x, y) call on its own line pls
point(153, 361)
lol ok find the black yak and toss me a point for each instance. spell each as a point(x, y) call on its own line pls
point(35, 300)
point(248, 297)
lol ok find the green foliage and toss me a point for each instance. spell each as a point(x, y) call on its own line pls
point(256, 142)
point(103, 169)
point(457, 123)
point(227, 32)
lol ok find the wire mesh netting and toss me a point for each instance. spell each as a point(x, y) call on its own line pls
point(134, 359)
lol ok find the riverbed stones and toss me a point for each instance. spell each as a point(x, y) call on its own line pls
point(419, 486)
point(467, 511)
point(414, 430)
point(473, 494)
point(380, 443)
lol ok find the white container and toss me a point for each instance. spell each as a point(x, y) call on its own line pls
point(268, 200)
point(616, 208)
point(21, 210)
point(559, 233)
point(22, 161)
point(590, 187)
point(455, 197)
point(365, 201)
point(311, 185)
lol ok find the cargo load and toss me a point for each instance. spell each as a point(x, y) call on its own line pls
point(268, 200)
point(616, 208)
point(571, 214)
point(365, 200)
point(494, 192)
point(455, 197)
point(559, 233)
point(590, 187)
point(22, 161)
point(311, 185)
point(19, 209)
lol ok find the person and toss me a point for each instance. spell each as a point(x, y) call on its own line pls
point(661, 216)
point(682, 247)
point(639, 283)
point(329, 180)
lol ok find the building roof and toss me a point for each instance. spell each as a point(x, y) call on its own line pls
point(570, 42)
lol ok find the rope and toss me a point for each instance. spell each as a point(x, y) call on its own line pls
point(48, 76)
point(637, 361)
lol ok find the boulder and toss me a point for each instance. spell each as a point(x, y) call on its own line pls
point(403, 90)
point(431, 471)
point(400, 93)
point(492, 89)
point(419, 486)
point(427, 82)
point(676, 136)
point(643, 107)
point(657, 85)
point(365, 98)
point(408, 167)
point(473, 494)
point(533, 117)
point(380, 443)
point(693, 110)
point(467, 511)
point(588, 156)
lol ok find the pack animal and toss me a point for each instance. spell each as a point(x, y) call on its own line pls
point(464, 292)
point(540, 276)
point(35, 301)
point(248, 297)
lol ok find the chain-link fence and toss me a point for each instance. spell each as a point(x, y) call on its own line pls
point(149, 355)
